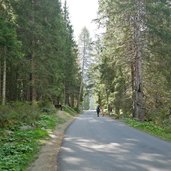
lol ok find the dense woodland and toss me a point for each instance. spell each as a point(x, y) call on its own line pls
point(39, 69)
point(134, 53)
point(38, 55)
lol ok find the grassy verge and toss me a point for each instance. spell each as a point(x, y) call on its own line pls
point(150, 128)
point(20, 142)
point(70, 110)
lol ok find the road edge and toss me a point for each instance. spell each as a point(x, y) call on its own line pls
point(48, 154)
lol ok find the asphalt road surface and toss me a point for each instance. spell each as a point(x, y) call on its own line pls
point(94, 143)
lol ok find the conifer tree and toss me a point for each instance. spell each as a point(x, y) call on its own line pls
point(137, 40)
point(85, 52)
point(48, 51)
point(10, 46)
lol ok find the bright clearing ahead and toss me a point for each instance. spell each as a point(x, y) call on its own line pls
point(82, 12)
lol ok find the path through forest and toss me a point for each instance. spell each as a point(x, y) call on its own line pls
point(99, 143)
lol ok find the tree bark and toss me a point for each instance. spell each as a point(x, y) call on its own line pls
point(133, 88)
point(0, 81)
point(83, 65)
point(139, 101)
point(33, 79)
point(72, 100)
point(64, 98)
point(33, 93)
point(80, 94)
point(4, 78)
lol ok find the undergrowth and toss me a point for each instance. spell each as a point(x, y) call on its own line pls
point(70, 110)
point(21, 129)
point(151, 128)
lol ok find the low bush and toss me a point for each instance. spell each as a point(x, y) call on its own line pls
point(18, 113)
point(22, 126)
point(46, 106)
point(5, 116)
point(18, 149)
point(48, 121)
point(167, 125)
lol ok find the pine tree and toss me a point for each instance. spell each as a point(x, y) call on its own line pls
point(48, 50)
point(85, 51)
point(137, 39)
point(10, 46)
point(70, 65)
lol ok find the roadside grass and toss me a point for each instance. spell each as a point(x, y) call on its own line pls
point(70, 110)
point(20, 146)
point(150, 127)
point(17, 150)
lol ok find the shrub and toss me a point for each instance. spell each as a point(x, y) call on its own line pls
point(17, 113)
point(167, 125)
point(5, 115)
point(46, 107)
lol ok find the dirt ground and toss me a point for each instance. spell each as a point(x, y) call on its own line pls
point(47, 157)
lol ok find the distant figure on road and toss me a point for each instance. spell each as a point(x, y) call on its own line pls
point(98, 110)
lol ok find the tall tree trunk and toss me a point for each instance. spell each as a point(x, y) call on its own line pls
point(67, 102)
point(82, 75)
point(133, 88)
point(66, 91)
point(64, 98)
point(72, 100)
point(4, 78)
point(33, 92)
point(139, 101)
point(80, 93)
point(0, 81)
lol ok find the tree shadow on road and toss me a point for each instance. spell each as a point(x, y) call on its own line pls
point(119, 152)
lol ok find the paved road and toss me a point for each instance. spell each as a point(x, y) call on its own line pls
point(102, 144)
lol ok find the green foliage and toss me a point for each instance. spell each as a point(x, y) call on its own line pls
point(117, 57)
point(17, 113)
point(167, 126)
point(70, 110)
point(48, 121)
point(16, 156)
point(151, 128)
point(86, 102)
point(20, 141)
point(42, 35)
point(46, 106)
point(18, 148)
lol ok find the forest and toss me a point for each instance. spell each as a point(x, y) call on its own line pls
point(126, 68)
point(39, 70)
point(38, 53)
point(134, 59)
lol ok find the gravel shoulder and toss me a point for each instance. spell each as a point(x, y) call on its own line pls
point(46, 160)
